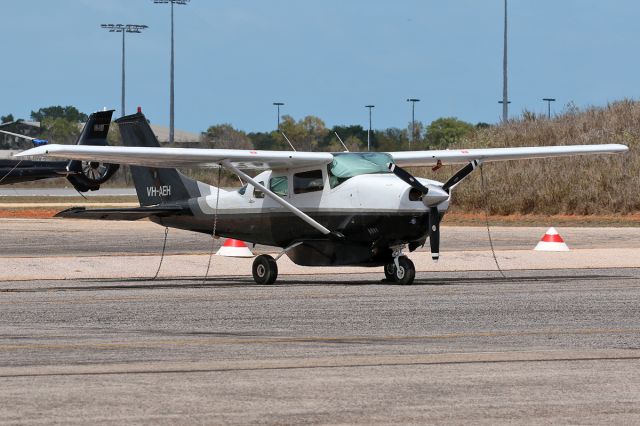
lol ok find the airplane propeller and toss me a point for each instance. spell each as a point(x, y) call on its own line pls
point(434, 232)
point(432, 196)
point(460, 175)
point(408, 178)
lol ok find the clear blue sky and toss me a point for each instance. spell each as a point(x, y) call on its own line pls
point(321, 57)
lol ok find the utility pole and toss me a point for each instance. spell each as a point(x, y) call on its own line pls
point(278, 104)
point(548, 101)
point(413, 119)
point(502, 102)
point(505, 95)
point(171, 94)
point(123, 28)
point(369, 131)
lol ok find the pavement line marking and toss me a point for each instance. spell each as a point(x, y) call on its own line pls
point(303, 340)
point(365, 361)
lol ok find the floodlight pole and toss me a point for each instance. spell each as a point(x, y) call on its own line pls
point(548, 101)
point(171, 90)
point(502, 102)
point(122, 28)
point(123, 78)
point(505, 95)
point(278, 105)
point(413, 119)
point(369, 131)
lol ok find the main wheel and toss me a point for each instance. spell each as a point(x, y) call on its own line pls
point(265, 269)
point(390, 271)
point(406, 271)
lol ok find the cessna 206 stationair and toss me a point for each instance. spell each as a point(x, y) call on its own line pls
point(323, 209)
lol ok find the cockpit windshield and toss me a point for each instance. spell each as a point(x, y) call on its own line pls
point(350, 164)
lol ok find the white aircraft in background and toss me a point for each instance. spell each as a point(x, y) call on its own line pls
point(322, 209)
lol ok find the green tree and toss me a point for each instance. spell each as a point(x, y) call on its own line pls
point(418, 136)
point(444, 131)
point(391, 139)
point(7, 118)
point(224, 136)
point(60, 130)
point(306, 134)
point(268, 141)
point(69, 113)
point(354, 137)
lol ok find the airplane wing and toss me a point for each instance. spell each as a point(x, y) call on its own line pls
point(254, 159)
point(182, 157)
point(463, 156)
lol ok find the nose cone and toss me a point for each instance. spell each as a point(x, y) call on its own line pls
point(435, 196)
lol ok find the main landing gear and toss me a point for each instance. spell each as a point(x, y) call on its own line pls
point(265, 269)
point(401, 270)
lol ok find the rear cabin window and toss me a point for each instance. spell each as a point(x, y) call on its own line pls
point(279, 185)
point(257, 192)
point(310, 181)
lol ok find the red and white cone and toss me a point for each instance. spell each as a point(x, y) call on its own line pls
point(552, 241)
point(234, 248)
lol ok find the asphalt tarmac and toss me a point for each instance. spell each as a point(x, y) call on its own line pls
point(66, 237)
point(541, 346)
point(560, 346)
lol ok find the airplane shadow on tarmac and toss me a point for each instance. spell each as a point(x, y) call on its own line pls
point(238, 282)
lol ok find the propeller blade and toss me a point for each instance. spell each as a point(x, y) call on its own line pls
point(460, 175)
point(434, 232)
point(408, 178)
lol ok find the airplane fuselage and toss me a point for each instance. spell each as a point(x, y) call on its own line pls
point(372, 211)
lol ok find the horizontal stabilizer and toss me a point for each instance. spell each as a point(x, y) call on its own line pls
point(133, 213)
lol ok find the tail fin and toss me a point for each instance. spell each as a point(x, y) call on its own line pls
point(154, 186)
point(89, 175)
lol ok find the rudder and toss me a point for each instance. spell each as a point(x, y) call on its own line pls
point(154, 186)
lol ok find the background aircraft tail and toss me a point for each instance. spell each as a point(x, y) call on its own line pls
point(90, 174)
point(154, 186)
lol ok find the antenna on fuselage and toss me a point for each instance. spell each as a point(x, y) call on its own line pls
point(345, 147)
point(290, 144)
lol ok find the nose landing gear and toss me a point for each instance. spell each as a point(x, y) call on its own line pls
point(401, 270)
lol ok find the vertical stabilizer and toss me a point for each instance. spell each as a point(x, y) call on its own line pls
point(89, 175)
point(154, 186)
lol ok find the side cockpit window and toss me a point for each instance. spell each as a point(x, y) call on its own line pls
point(279, 185)
point(310, 181)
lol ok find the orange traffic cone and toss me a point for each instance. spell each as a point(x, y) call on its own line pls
point(234, 248)
point(552, 241)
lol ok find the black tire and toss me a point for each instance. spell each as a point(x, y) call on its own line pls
point(406, 272)
point(390, 272)
point(264, 269)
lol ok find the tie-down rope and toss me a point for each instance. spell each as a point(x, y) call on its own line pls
point(215, 224)
point(486, 216)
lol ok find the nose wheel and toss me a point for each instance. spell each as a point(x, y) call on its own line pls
point(401, 271)
point(265, 270)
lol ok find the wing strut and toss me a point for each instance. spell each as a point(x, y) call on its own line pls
point(293, 209)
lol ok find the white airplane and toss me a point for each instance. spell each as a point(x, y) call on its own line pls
point(322, 209)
